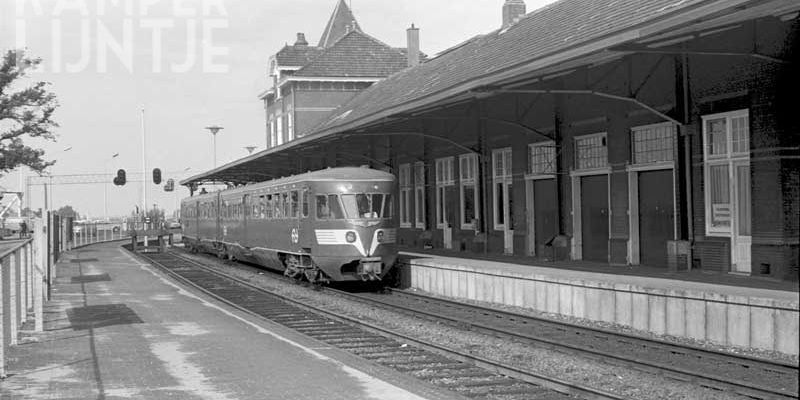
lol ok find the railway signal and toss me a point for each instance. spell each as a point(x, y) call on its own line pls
point(157, 176)
point(120, 179)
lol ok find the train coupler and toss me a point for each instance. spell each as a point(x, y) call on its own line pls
point(369, 269)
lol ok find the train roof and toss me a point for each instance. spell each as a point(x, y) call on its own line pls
point(328, 174)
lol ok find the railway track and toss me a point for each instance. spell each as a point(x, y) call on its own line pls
point(756, 378)
point(462, 373)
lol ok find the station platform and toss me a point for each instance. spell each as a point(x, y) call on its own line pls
point(117, 328)
point(722, 309)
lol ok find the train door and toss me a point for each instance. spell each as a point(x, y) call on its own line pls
point(502, 193)
point(195, 221)
point(594, 217)
point(216, 209)
point(245, 215)
point(294, 219)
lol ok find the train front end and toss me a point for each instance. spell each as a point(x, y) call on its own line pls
point(356, 230)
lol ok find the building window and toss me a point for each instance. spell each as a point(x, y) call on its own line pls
point(542, 158)
point(419, 194)
point(502, 189)
point(468, 173)
point(726, 159)
point(274, 131)
point(290, 125)
point(279, 129)
point(405, 195)
point(653, 143)
point(591, 151)
point(270, 142)
point(445, 177)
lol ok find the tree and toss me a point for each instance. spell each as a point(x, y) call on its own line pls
point(68, 211)
point(25, 111)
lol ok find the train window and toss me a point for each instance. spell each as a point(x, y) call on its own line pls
point(305, 203)
point(294, 196)
point(388, 207)
point(367, 205)
point(278, 201)
point(328, 207)
point(377, 205)
point(287, 205)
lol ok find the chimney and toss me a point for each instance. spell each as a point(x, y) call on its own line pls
point(512, 11)
point(301, 39)
point(412, 35)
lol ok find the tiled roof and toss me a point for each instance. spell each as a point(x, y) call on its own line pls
point(553, 30)
point(342, 21)
point(356, 55)
point(296, 56)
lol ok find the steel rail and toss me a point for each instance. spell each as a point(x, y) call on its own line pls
point(548, 382)
point(711, 380)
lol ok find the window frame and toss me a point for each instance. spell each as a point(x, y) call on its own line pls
point(506, 178)
point(445, 165)
point(420, 200)
point(279, 128)
point(404, 180)
point(731, 161)
point(464, 183)
point(672, 143)
point(577, 159)
point(530, 173)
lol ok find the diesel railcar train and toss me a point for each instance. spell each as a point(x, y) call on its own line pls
point(336, 224)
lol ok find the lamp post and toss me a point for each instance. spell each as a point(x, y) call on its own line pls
point(214, 129)
point(105, 188)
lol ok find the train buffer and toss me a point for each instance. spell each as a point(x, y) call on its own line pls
point(163, 236)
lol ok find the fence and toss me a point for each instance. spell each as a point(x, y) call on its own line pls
point(24, 275)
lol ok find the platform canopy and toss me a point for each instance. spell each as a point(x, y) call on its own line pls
point(528, 54)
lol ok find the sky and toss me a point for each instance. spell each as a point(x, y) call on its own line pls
point(189, 64)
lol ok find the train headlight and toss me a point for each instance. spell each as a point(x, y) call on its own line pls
point(380, 236)
point(350, 237)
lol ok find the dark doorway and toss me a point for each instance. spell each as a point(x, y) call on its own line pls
point(656, 216)
point(545, 212)
point(594, 217)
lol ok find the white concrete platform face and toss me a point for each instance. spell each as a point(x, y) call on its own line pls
point(737, 316)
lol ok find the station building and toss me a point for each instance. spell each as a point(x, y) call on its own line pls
point(658, 133)
point(307, 83)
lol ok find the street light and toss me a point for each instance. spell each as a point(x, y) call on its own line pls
point(214, 129)
point(250, 149)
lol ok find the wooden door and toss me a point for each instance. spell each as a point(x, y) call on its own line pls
point(656, 216)
point(594, 217)
point(545, 212)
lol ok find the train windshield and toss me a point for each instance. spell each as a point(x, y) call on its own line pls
point(367, 205)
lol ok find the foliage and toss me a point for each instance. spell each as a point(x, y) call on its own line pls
point(27, 212)
point(24, 112)
point(68, 211)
